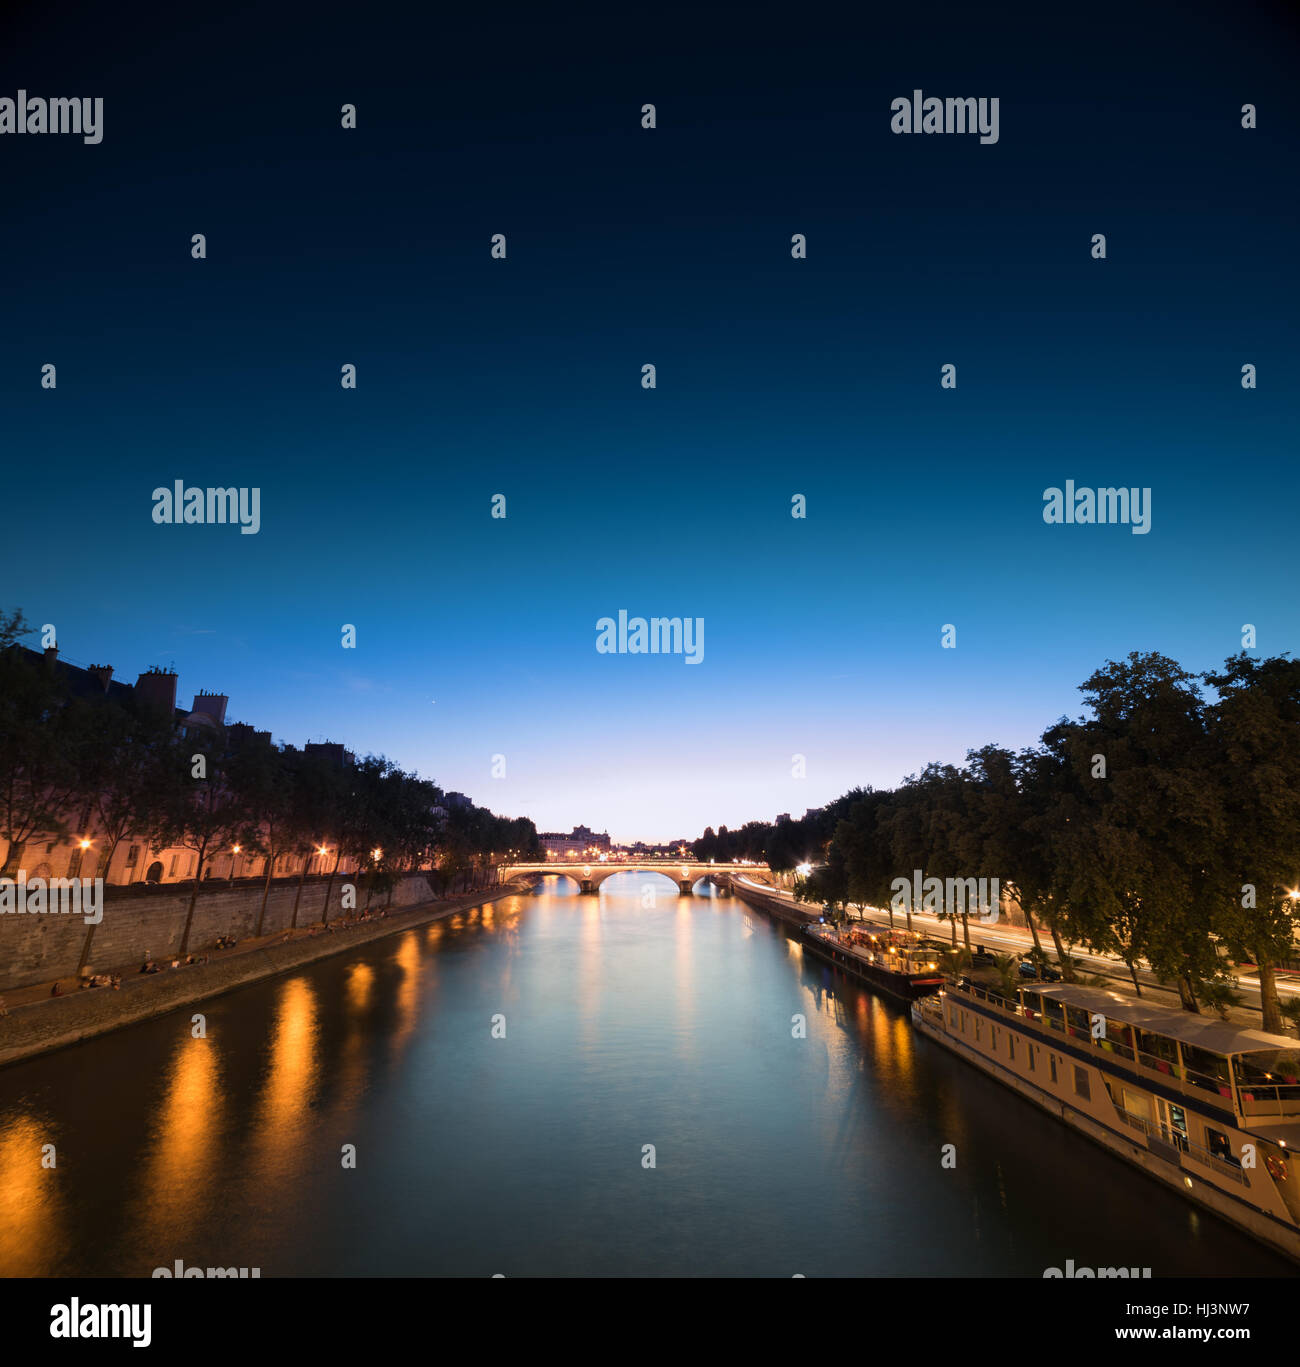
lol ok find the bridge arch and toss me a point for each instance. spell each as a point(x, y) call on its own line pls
point(601, 874)
point(686, 874)
point(559, 877)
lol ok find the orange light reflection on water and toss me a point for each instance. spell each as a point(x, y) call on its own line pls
point(31, 1203)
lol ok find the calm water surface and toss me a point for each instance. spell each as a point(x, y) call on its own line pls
point(625, 1026)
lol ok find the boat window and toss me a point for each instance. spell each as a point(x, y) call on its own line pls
point(1054, 1013)
point(1052, 1057)
point(1157, 1051)
point(1079, 1022)
point(1217, 1143)
point(1272, 1067)
point(1030, 1048)
point(1081, 1083)
point(1204, 1069)
point(1033, 1003)
point(1118, 1038)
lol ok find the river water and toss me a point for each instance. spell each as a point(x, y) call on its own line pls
point(500, 1074)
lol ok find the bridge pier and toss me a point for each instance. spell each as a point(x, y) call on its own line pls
point(686, 886)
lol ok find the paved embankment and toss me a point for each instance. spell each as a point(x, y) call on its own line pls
point(79, 1014)
point(783, 908)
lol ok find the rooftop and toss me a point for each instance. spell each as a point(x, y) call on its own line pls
point(1204, 1032)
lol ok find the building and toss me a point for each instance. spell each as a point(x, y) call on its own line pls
point(135, 860)
point(580, 841)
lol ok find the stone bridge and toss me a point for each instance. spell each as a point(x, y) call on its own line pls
point(590, 874)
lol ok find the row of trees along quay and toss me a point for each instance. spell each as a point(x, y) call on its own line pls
point(125, 769)
point(1162, 826)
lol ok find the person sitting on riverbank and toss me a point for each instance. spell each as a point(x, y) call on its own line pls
point(56, 991)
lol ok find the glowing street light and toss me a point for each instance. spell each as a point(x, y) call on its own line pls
point(803, 870)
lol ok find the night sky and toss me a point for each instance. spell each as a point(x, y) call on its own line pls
point(775, 376)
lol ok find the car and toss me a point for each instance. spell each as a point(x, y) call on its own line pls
point(982, 955)
point(1045, 971)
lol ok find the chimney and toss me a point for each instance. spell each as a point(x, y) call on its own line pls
point(211, 705)
point(104, 673)
point(158, 686)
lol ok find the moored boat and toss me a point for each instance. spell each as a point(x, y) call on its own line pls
point(893, 961)
point(1209, 1108)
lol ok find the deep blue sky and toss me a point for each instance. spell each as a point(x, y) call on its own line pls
point(775, 377)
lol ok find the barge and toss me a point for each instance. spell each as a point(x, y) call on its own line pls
point(892, 961)
point(1209, 1109)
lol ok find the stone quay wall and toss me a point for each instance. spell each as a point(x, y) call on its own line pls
point(49, 1024)
point(39, 947)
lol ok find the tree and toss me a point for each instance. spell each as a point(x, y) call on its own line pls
point(199, 809)
point(40, 779)
point(865, 850)
point(1255, 728)
point(121, 748)
point(261, 780)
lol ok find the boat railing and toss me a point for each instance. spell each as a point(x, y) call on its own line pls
point(1225, 1166)
point(1184, 1078)
point(1280, 1099)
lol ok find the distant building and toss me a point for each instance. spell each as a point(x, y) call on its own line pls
point(579, 841)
